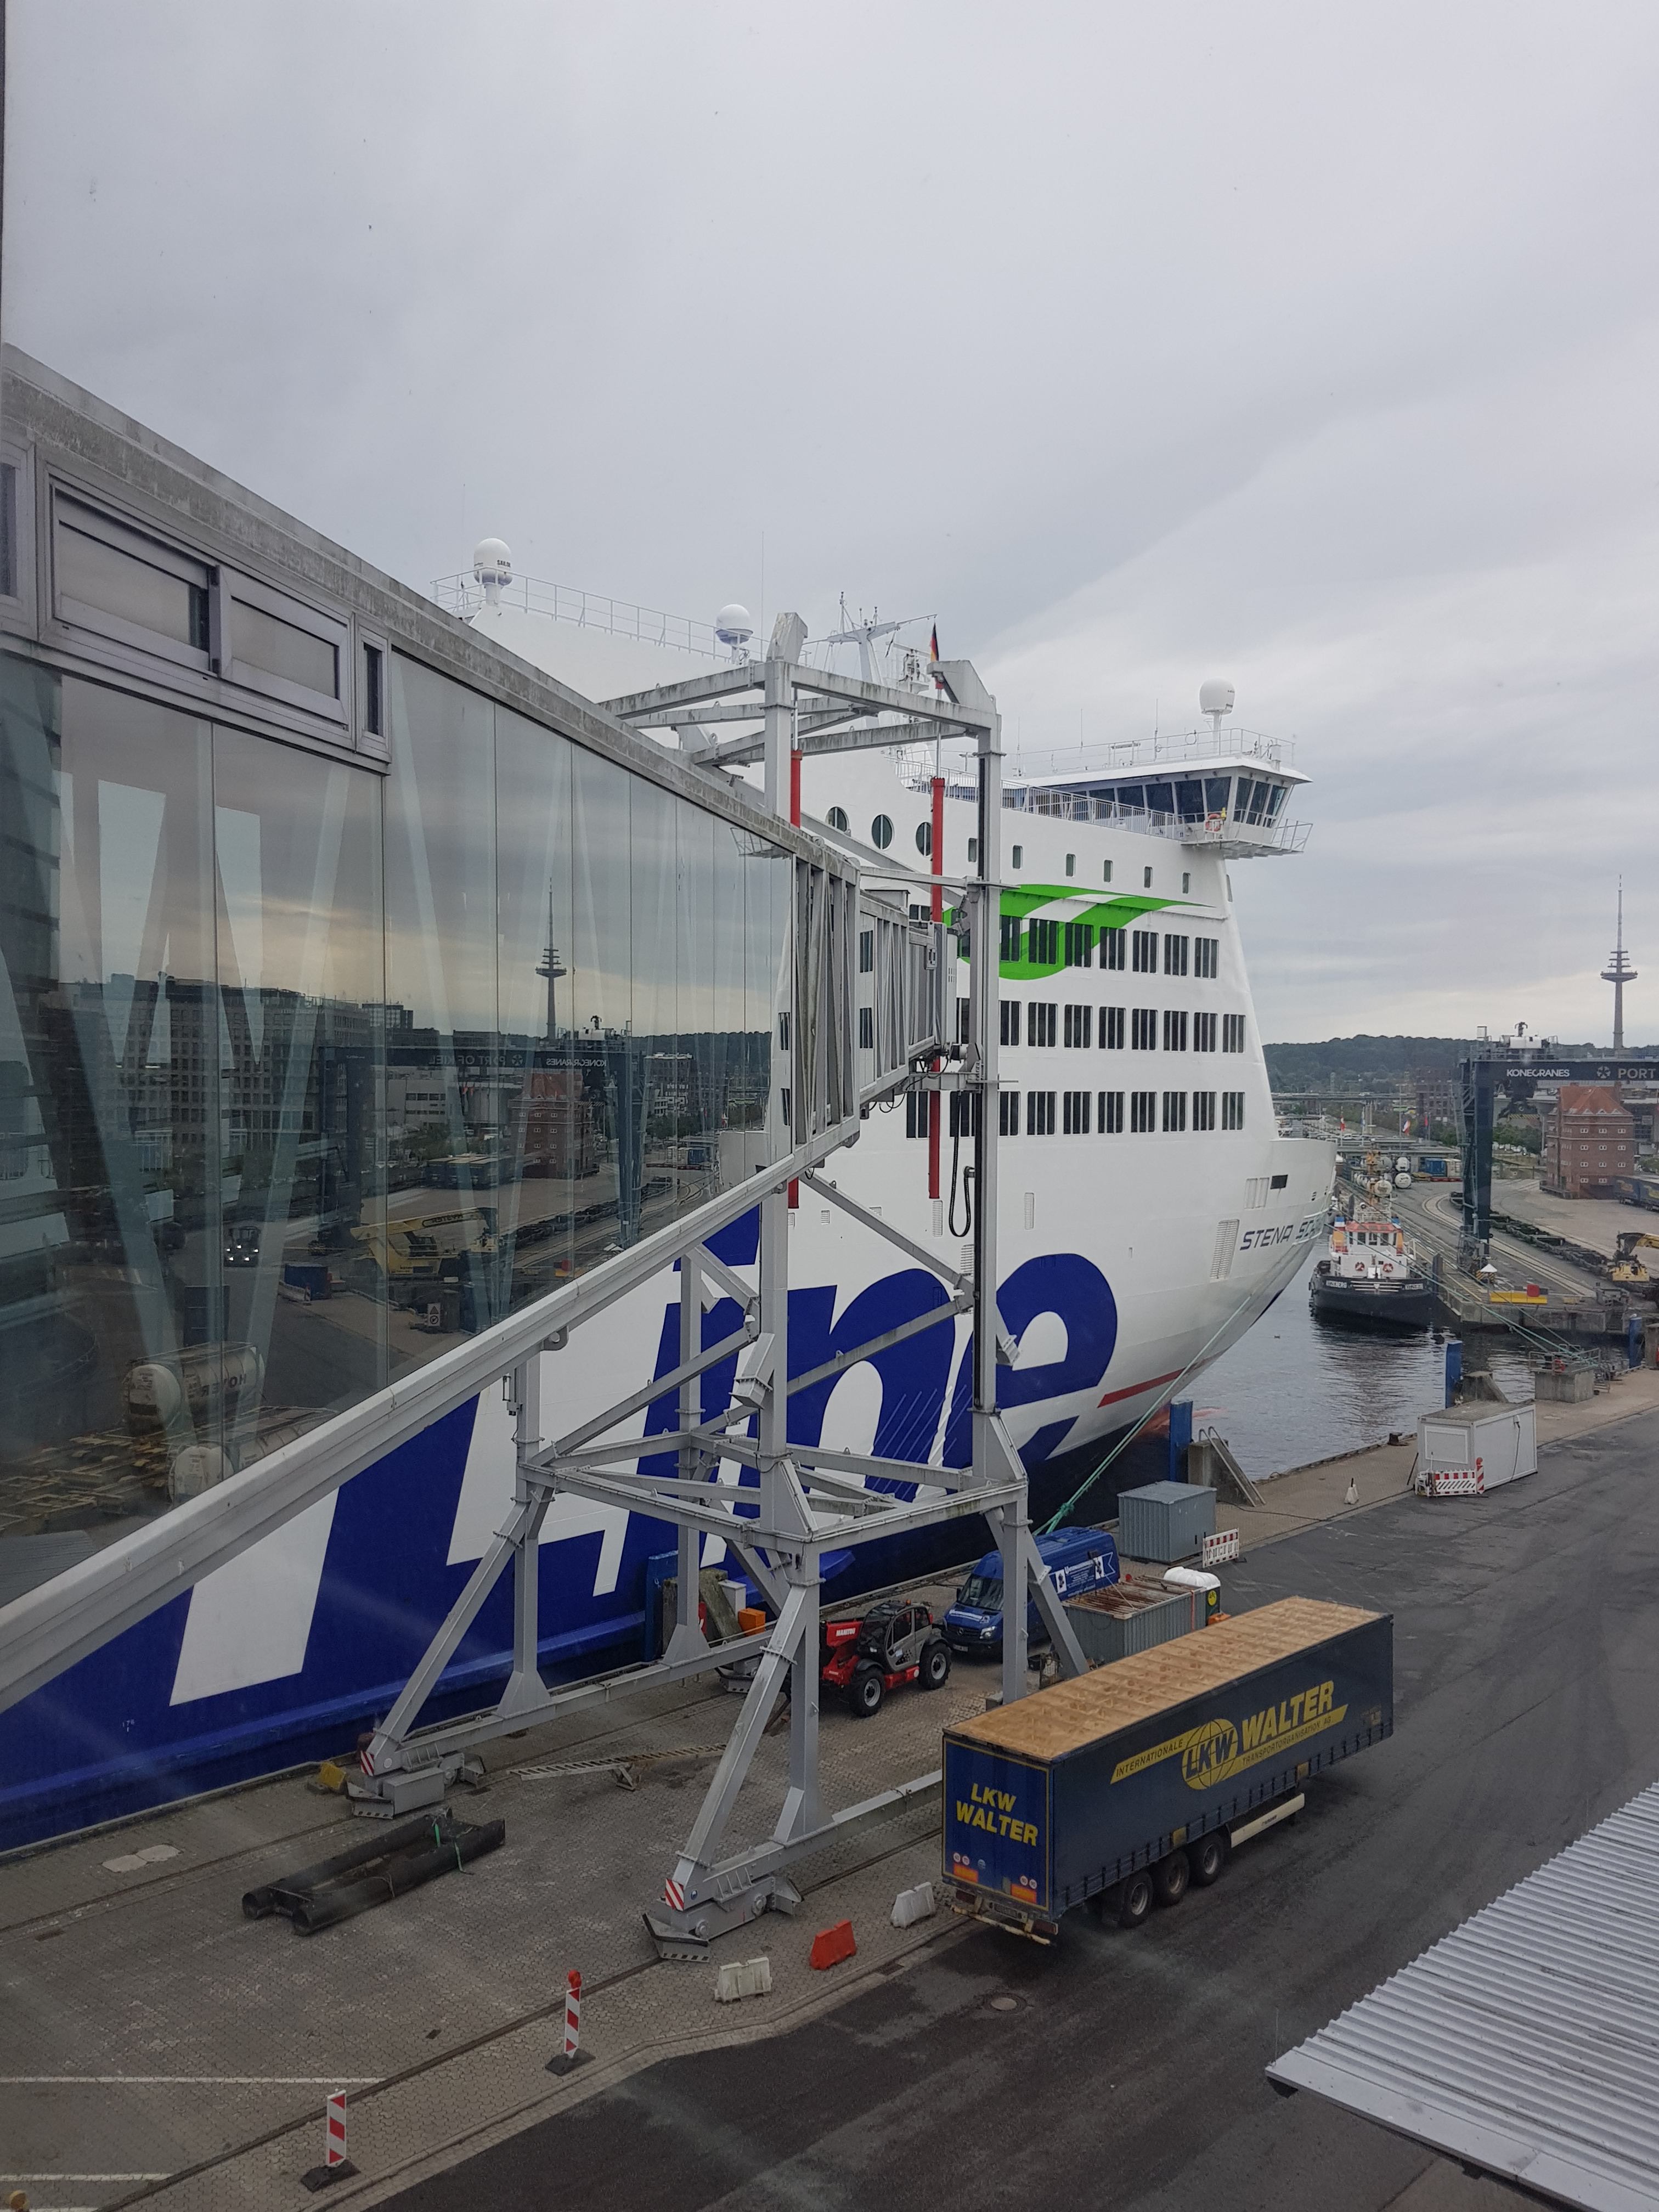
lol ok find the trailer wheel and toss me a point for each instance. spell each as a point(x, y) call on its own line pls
point(865, 1691)
point(1169, 1878)
point(936, 1665)
point(1137, 1900)
point(1206, 1858)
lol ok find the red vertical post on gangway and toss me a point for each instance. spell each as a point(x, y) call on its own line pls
point(794, 816)
point(935, 1103)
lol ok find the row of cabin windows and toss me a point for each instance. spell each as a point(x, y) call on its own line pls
point(1077, 1029)
point(1072, 945)
point(1081, 1112)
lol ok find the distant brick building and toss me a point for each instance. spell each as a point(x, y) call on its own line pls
point(1590, 1135)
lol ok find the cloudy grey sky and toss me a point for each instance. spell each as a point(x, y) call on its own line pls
point(1313, 346)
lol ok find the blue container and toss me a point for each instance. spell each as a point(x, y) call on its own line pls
point(308, 1275)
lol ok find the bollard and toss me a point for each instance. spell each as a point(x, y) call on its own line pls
point(571, 2055)
point(336, 2166)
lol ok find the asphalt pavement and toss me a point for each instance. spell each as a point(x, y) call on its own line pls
point(1127, 2069)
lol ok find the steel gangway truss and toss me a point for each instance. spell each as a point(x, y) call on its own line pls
point(791, 1502)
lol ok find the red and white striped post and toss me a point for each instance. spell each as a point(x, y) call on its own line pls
point(337, 2131)
point(573, 2016)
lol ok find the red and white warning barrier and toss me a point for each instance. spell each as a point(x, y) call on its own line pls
point(1215, 1551)
point(1455, 1482)
point(337, 2131)
point(573, 2014)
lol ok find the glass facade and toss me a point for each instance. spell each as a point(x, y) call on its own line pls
point(304, 1067)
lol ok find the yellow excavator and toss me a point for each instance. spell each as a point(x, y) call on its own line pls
point(1626, 1268)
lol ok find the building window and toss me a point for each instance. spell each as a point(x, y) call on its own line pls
point(1142, 1111)
point(1079, 1025)
point(1043, 940)
point(925, 839)
point(1039, 1113)
point(1018, 856)
point(1232, 1032)
point(1146, 879)
point(964, 1113)
point(1174, 1111)
point(1186, 881)
point(1111, 1029)
point(836, 818)
point(1079, 944)
point(1278, 1182)
point(1205, 952)
point(1143, 1030)
point(1111, 1113)
point(1008, 1010)
point(1175, 1030)
point(1111, 948)
point(1233, 1109)
point(1145, 952)
point(866, 1028)
point(1008, 1113)
point(915, 1112)
point(1042, 1024)
point(1175, 953)
point(1203, 1032)
point(881, 832)
point(1106, 876)
point(783, 1030)
point(1008, 938)
point(1203, 1109)
point(374, 691)
point(1070, 864)
point(1076, 1113)
point(867, 951)
point(972, 851)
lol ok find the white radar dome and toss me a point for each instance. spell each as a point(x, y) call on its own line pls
point(734, 625)
point(1215, 697)
point(1401, 1165)
point(492, 562)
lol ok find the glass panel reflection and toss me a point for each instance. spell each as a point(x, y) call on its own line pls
point(304, 1070)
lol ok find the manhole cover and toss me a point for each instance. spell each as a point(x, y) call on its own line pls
point(1005, 2004)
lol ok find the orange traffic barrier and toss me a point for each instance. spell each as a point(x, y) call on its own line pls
point(831, 1945)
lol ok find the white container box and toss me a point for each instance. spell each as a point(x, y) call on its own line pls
point(1496, 1443)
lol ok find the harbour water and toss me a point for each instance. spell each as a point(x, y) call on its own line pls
point(1296, 1389)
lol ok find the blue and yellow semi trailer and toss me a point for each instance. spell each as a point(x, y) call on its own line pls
point(1123, 1786)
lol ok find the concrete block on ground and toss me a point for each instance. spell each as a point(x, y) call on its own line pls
point(743, 1977)
point(913, 1905)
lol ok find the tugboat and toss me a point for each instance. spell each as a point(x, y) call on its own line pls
point(1369, 1276)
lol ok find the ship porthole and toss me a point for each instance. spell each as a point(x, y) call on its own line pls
point(881, 833)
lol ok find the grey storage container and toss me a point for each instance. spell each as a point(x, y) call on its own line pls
point(1129, 1617)
point(1165, 1521)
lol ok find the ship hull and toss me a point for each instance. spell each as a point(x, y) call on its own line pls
point(1403, 1305)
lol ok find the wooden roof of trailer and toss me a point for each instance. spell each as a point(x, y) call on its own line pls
point(1071, 1714)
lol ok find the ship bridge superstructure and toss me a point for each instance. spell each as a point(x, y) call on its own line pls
point(1228, 791)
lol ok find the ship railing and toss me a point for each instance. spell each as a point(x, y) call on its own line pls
point(1224, 831)
point(1127, 754)
point(462, 595)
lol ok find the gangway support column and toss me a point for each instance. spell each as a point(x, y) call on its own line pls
point(688, 1639)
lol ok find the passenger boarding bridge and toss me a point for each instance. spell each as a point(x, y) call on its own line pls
point(377, 1014)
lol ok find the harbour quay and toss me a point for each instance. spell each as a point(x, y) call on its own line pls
point(438, 2012)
